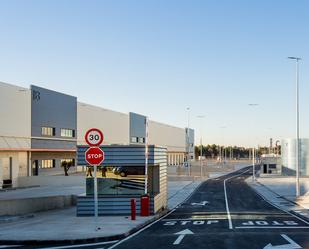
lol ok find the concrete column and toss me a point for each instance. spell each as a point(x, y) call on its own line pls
point(29, 164)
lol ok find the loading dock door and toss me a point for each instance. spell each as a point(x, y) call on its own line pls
point(35, 168)
point(265, 169)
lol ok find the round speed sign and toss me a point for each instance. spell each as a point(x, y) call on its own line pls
point(94, 137)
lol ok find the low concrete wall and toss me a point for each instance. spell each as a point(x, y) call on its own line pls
point(74, 180)
point(31, 205)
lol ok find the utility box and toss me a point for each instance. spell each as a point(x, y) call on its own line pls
point(121, 177)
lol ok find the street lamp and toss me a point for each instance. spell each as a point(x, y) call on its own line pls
point(201, 144)
point(253, 148)
point(188, 141)
point(297, 161)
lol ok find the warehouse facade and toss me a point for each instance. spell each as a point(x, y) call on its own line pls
point(41, 128)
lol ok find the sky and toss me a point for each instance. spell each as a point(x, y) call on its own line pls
point(158, 58)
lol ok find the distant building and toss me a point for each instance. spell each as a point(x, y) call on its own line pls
point(288, 153)
point(270, 164)
point(41, 128)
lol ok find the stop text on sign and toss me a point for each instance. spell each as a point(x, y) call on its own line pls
point(94, 156)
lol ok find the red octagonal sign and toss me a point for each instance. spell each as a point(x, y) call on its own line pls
point(94, 156)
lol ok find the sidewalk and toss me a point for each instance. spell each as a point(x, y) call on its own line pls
point(63, 225)
point(280, 191)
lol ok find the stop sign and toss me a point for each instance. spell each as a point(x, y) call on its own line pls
point(94, 156)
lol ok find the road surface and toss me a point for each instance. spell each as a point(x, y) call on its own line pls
point(222, 213)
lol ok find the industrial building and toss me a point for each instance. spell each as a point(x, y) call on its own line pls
point(41, 128)
point(288, 155)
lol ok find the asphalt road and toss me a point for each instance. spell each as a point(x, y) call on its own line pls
point(222, 213)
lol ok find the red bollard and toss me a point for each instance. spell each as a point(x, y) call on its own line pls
point(133, 209)
point(145, 205)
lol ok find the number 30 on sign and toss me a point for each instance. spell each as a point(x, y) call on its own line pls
point(94, 137)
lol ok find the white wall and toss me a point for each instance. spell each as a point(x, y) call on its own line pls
point(15, 113)
point(173, 138)
point(55, 181)
point(114, 125)
point(5, 166)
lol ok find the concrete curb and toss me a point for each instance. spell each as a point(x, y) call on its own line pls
point(270, 190)
point(274, 204)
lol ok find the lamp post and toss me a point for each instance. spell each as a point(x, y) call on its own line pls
point(188, 141)
point(297, 161)
point(201, 143)
point(253, 149)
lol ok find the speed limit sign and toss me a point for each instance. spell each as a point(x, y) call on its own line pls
point(94, 137)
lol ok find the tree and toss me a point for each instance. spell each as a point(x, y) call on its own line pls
point(66, 166)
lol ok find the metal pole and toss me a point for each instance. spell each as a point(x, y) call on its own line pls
point(297, 132)
point(95, 185)
point(201, 153)
point(188, 142)
point(253, 163)
point(253, 150)
point(297, 145)
point(146, 155)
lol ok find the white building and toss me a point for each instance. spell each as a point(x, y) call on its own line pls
point(15, 133)
point(40, 129)
point(288, 154)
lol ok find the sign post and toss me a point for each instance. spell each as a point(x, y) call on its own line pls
point(146, 155)
point(94, 156)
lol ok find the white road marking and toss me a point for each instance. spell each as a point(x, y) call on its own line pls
point(270, 223)
point(9, 246)
point(226, 201)
point(301, 212)
point(270, 227)
point(189, 222)
point(210, 218)
point(139, 231)
point(203, 203)
point(82, 245)
point(182, 234)
point(292, 244)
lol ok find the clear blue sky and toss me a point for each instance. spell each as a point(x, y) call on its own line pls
point(158, 57)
